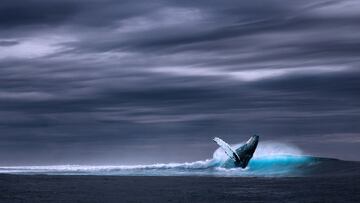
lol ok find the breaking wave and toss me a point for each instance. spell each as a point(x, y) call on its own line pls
point(270, 159)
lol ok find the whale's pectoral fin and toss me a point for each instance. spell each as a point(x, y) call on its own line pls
point(228, 150)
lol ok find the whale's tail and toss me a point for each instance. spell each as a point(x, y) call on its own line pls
point(242, 155)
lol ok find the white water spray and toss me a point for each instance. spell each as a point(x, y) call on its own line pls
point(269, 158)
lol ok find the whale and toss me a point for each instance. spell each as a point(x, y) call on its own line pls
point(241, 155)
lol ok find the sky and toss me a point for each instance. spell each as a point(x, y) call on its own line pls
point(131, 82)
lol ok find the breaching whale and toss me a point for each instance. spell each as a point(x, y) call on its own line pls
point(242, 155)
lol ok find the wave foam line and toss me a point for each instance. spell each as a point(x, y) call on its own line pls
point(270, 158)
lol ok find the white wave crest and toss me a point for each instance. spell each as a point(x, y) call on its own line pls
point(214, 166)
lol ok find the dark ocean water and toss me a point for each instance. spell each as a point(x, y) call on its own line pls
point(277, 173)
point(59, 188)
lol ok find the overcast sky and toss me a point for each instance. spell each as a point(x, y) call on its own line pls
point(128, 82)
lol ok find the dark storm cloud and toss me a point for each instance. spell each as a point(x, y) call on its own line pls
point(31, 12)
point(96, 81)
